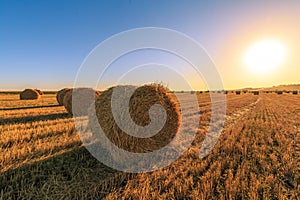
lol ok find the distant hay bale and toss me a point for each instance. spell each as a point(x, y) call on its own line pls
point(61, 94)
point(256, 92)
point(237, 92)
point(29, 94)
point(39, 91)
point(279, 92)
point(225, 92)
point(140, 102)
point(295, 92)
point(83, 104)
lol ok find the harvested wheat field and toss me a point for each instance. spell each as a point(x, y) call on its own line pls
point(256, 157)
point(150, 100)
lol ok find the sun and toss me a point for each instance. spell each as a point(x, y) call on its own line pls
point(264, 56)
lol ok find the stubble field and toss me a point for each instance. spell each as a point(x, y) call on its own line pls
point(256, 157)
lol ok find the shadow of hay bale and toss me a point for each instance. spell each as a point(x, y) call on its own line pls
point(71, 175)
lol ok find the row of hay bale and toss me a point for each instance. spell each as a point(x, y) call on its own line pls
point(141, 101)
point(31, 94)
point(294, 92)
point(213, 91)
point(238, 92)
point(64, 98)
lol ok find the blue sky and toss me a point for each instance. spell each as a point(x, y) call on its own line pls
point(43, 43)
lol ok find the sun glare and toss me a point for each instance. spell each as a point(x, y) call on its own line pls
point(265, 56)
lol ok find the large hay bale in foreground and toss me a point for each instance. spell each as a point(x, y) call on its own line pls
point(141, 101)
point(61, 94)
point(83, 95)
point(29, 94)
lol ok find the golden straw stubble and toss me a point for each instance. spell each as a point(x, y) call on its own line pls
point(140, 102)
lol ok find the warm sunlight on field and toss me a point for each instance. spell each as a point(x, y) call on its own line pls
point(149, 100)
point(257, 156)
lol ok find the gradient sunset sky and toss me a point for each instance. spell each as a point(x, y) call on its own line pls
point(43, 43)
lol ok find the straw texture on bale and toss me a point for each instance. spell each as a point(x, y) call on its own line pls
point(39, 91)
point(81, 101)
point(29, 94)
point(141, 101)
point(61, 94)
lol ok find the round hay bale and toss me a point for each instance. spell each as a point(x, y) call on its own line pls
point(39, 91)
point(256, 92)
point(82, 95)
point(237, 92)
point(60, 95)
point(140, 102)
point(29, 94)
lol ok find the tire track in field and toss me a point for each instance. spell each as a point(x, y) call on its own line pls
point(233, 119)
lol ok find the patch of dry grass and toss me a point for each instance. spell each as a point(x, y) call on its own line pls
point(257, 156)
